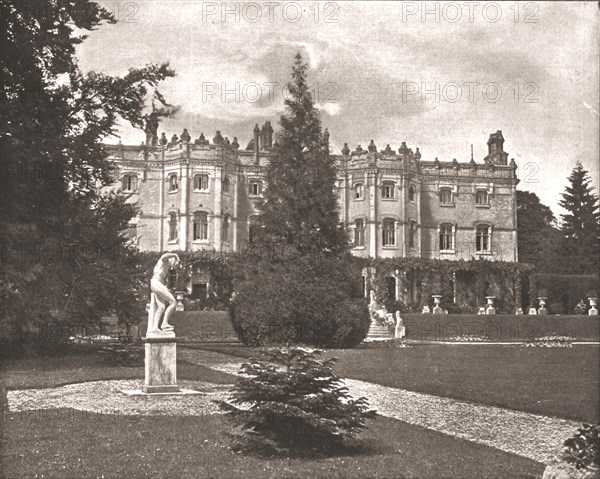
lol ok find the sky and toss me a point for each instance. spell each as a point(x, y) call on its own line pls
point(440, 76)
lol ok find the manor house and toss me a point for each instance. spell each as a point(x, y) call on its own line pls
point(202, 195)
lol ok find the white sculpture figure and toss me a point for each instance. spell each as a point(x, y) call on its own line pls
point(399, 332)
point(161, 299)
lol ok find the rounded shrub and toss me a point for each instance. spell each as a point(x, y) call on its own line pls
point(303, 300)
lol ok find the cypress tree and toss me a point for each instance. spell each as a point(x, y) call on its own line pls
point(300, 207)
point(581, 225)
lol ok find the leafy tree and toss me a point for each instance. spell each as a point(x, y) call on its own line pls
point(537, 236)
point(292, 401)
point(64, 257)
point(581, 225)
point(300, 207)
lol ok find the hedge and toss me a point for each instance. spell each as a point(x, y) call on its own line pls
point(432, 327)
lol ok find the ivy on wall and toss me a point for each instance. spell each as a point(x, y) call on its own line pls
point(432, 276)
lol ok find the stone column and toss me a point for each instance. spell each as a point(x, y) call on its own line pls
point(160, 365)
point(234, 222)
point(183, 207)
point(372, 182)
point(218, 213)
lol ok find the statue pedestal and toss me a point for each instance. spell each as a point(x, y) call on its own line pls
point(160, 360)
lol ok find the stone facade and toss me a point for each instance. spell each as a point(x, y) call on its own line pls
point(198, 195)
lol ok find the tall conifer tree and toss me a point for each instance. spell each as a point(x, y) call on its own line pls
point(300, 207)
point(581, 225)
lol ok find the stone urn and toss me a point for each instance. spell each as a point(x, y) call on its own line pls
point(542, 309)
point(179, 297)
point(490, 305)
point(593, 310)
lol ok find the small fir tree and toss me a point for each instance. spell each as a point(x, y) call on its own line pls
point(300, 206)
point(292, 401)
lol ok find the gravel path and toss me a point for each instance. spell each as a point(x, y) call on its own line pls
point(533, 436)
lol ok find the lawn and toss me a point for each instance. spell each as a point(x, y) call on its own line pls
point(90, 364)
point(561, 382)
point(166, 447)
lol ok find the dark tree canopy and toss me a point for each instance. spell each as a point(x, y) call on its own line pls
point(300, 207)
point(537, 235)
point(64, 253)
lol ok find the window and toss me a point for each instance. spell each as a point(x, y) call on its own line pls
point(411, 193)
point(482, 241)
point(446, 237)
point(387, 190)
point(446, 196)
point(226, 185)
point(130, 183)
point(481, 198)
point(172, 227)
point(254, 188)
point(412, 231)
point(226, 228)
point(172, 279)
point(173, 185)
point(201, 182)
point(389, 232)
point(253, 229)
point(200, 229)
point(359, 191)
point(359, 233)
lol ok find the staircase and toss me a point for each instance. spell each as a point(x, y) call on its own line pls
point(379, 332)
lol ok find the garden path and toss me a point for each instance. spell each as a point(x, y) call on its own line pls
point(529, 435)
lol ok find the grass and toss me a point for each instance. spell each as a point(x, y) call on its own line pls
point(89, 364)
point(561, 382)
point(67, 444)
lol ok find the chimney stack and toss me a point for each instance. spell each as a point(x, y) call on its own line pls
point(256, 143)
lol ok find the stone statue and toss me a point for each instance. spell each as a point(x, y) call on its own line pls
point(161, 299)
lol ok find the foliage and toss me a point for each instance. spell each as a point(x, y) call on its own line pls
point(436, 275)
point(583, 448)
point(311, 300)
point(550, 341)
point(66, 261)
point(291, 401)
point(567, 290)
point(581, 225)
point(538, 238)
point(300, 206)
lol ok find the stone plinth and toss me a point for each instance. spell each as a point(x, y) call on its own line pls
point(161, 369)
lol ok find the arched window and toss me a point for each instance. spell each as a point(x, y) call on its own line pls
point(483, 238)
point(389, 232)
point(255, 187)
point(411, 193)
point(359, 192)
point(200, 229)
point(173, 184)
point(412, 232)
point(482, 198)
point(359, 232)
point(226, 185)
point(172, 227)
point(253, 226)
point(226, 228)
point(130, 182)
point(201, 182)
point(387, 189)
